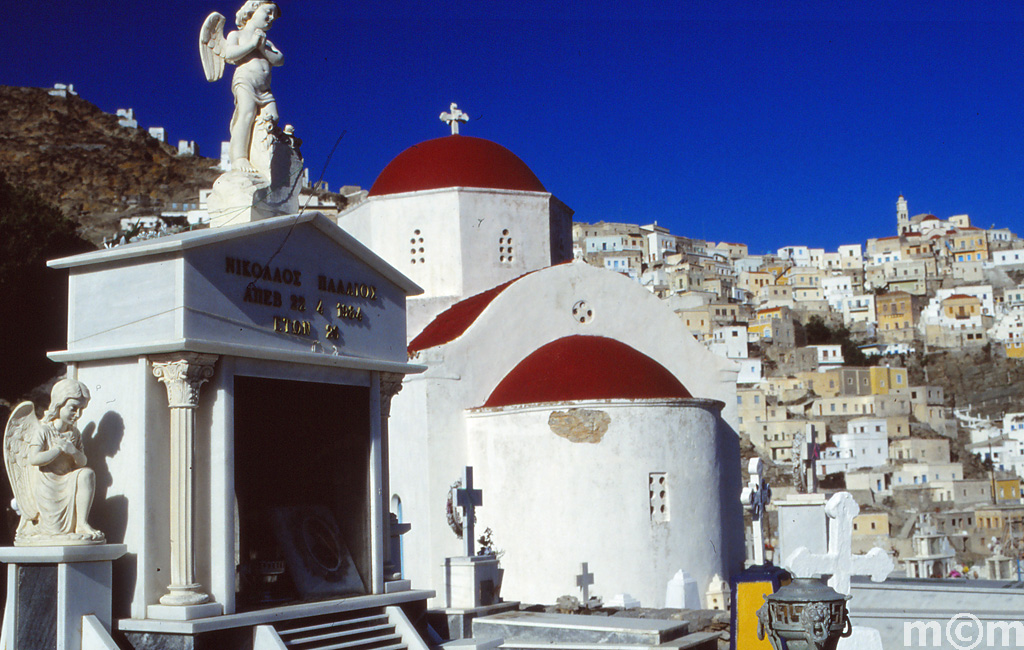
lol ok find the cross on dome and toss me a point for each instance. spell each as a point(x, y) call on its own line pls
point(453, 116)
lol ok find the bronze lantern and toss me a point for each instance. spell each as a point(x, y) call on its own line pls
point(807, 614)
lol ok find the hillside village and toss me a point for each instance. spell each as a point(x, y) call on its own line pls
point(829, 345)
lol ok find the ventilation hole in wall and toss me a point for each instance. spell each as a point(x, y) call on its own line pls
point(657, 490)
point(504, 249)
point(417, 251)
point(582, 312)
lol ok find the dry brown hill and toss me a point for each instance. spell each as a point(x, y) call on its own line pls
point(76, 156)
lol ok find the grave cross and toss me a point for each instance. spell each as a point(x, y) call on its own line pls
point(583, 581)
point(453, 116)
point(468, 499)
point(756, 496)
point(840, 562)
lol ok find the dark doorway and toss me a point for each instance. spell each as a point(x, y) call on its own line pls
point(302, 486)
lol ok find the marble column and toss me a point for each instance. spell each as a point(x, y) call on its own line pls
point(390, 385)
point(183, 374)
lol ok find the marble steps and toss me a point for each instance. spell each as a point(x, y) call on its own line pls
point(343, 632)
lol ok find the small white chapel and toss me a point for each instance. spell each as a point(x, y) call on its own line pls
point(597, 427)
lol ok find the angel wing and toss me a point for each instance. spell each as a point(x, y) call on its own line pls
point(211, 46)
point(22, 426)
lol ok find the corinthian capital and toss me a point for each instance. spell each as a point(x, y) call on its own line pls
point(390, 385)
point(182, 375)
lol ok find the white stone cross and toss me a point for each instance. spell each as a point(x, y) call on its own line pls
point(453, 116)
point(584, 580)
point(756, 496)
point(468, 499)
point(839, 561)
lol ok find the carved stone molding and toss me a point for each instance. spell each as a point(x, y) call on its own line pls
point(183, 374)
point(390, 385)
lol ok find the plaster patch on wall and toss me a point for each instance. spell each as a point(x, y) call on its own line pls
point(579, 425)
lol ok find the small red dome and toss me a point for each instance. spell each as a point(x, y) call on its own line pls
point(455, 161)
point(584, 368)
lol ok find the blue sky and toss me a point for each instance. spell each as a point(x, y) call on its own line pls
point(766, 123)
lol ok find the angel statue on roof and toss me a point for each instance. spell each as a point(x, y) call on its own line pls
point(253, 56)
point(53, 489)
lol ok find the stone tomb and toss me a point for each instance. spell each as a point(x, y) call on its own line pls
point(241, 382)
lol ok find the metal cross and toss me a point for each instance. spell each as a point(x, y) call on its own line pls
point(467, 498)
point(583, 581)
point(453, 116)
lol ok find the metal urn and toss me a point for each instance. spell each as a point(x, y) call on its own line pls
point(806, 614)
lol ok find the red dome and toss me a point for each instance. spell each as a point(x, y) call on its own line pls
point(455, 161)
point(584, 368)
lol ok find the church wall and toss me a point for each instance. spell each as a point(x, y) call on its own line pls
point(462, 229)
point(388, 226)
point(408, 456)
point(427, 454)
point(560, 231)
point(553, 503)
point(504, 235)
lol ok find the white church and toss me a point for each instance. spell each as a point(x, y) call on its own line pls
point(596, 425)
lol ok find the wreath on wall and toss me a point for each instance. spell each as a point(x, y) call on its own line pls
point(451, 510)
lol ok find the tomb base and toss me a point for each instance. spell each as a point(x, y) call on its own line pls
point(456, 624)
point(184, 612)
point(748, 589)
point(801, 523)
point(50, 589)
point(471, 582)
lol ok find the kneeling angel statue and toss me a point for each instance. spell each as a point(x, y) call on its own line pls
point(45, 461)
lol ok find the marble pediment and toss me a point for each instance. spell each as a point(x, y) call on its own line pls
point(289, 288)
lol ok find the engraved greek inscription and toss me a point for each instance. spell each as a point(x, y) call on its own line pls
point(285, 325)
point(349, 311)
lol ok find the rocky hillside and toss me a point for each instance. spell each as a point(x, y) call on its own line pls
point(983, 379)
point(76, 156)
